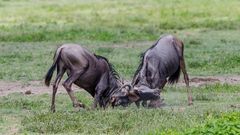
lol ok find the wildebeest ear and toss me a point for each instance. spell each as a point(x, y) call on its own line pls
point(133, 96)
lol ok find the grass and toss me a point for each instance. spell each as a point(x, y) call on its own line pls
point(225, 124)
point(32, 30)
point(218, 55)
point(111, 21)
point(32, 115)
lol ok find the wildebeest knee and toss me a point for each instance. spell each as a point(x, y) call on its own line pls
point(66, 86)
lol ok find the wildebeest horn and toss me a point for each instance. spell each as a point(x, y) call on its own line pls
point(127, 85)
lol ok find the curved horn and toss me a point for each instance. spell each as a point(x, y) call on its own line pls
point(126, 85)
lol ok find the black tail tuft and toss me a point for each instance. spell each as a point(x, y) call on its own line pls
point(49, 74)
point(175, 77)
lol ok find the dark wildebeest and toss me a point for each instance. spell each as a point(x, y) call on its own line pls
point(160, 64)
point(89, 71)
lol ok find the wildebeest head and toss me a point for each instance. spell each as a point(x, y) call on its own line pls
point(128, 95)
point(124, 96)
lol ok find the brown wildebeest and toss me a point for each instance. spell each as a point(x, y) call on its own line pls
point(160, 64)
point(89, 71)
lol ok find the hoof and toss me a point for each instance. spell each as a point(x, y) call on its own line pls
point(53, 109)
point(190, 103)
point(79, 105)
point(77, 109)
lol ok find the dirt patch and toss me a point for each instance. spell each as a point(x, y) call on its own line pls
point(38, 87)
point(200, 81)
point(197, 80)
point(32, 87)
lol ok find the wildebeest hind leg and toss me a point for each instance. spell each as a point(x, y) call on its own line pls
point(60, 72)
point(67, 85)
point(186, 79)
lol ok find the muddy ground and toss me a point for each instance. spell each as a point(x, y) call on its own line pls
point(38, 87)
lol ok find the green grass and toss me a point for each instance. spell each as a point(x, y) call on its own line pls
point(111, 21)
point(227, 124)
point(32, 30)
point(218, 55)
point(31, 113)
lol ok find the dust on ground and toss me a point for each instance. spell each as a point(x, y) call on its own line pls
point(38, 87)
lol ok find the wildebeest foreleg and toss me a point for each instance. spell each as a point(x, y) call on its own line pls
point(60, 72)
point(68, 83)
point(101, 86)
point(96, 101)
point(186, 79)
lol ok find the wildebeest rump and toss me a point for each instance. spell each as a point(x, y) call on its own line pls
point(89, 71)
point(161, 63)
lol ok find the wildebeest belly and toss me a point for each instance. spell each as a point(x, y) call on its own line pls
point(88, 80)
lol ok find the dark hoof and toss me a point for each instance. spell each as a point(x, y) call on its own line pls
point(53, 110)
point(190, 103)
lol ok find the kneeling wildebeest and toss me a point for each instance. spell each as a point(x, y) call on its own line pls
point(161, 63)
point(89, 71)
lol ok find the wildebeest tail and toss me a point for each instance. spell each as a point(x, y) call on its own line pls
point(175, 77)
point(49, 74)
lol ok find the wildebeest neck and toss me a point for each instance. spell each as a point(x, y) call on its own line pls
point(114, 82)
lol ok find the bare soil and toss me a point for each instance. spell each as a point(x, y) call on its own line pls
point(38, 87)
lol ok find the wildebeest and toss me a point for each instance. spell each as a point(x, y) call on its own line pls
point(89, 71)
point(161, 63)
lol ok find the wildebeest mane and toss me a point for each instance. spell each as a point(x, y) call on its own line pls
point(111, 67)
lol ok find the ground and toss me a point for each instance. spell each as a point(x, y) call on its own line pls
point(26, 109)
point(38, 87)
